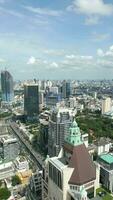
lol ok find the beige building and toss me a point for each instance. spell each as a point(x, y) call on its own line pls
point(106, 105)
point(72, 175)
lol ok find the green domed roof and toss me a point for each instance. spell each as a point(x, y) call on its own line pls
point(74, 137)
point(74, 124)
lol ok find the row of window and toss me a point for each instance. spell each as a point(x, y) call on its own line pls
point(89, 184)
point(55, 175)
point(73, 187)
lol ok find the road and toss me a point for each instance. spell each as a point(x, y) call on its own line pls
point(21, 135)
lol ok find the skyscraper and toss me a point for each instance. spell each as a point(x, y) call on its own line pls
point(31, 101)
point(59, 125)
point(66, 89)
point(7, 86)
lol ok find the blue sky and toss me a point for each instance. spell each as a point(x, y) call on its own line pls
point(57, 39)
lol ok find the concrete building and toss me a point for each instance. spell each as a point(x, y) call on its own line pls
point(54, 90)
point(31, 101)
point(103, 145)
point(106, 170)
point(6, 170)
point(85, 139)
point(34, 189)
point(59, 125)
point(21, 164)
point(72, 102)
point(72, 175)
point(41, 98)
point(106, 105)
point(9, 148)
point(7, 86)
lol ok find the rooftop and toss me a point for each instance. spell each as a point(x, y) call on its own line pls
point(58, 163)
point(108, 158)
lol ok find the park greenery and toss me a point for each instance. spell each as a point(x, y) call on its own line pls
point(4, 193)
point(95, 125)
point(107, 196)
point(16, 180)
point(5, 114)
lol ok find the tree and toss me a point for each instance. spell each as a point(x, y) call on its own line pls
point(16, 180)
point(4, 193)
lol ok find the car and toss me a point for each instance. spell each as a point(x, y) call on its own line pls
point(102, 193)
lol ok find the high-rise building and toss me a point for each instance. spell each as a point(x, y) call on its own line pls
point(66, 89)
point(72, 175)
point(34, 188)
point(59, 124)
point(52, 100)
point(7, 86)
point(31, 101)
point(106, 105)
point(9, 148)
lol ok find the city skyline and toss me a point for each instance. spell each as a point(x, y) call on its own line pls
point(64, 39)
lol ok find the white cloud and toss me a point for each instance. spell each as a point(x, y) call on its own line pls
point(77, 57)
point(105, 58)
point(70, 56)
point(98, 37)
point(31, 61)
point(37, 62)
point(39, 22)
point(43, 11)
point(73, 62)
point(11, 12)
point(54, 65)
point(107, 54)
point(93, 9)
point(111, 48)
point(100, 52)
point(92, 20)
point(54, 52)
point(2, 60)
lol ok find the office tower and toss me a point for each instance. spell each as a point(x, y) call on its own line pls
point(7, 86)
point(58, 129)
point(43, 85)
point(34, 188)
point(54, 90)
point(66, 89)
point(106, 105)
point(9, 148)
point(44, 135)
point(31, 101)
point(72, 175)
point(52, 100)
point(72, 103)
point(41, 98)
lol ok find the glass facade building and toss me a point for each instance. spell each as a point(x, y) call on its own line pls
point(7, 86)
point(31, 100)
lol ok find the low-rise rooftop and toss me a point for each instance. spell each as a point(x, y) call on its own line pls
point(108, 158)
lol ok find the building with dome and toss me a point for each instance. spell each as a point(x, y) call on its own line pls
point(72, 175)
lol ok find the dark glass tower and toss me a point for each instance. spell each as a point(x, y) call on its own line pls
point(66, 89)
point(31, 101)
point(7, 86)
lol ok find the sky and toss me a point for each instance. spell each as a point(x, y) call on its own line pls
point(57, 39)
